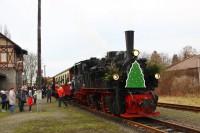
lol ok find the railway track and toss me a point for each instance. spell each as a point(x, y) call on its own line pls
point(147, 125)
point(180, 107)
point(165, 127)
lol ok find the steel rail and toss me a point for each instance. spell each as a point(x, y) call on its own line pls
point(179, 107)
point(175, 126)
point(147, 124)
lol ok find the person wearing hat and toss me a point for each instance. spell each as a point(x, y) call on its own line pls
point(3, 100)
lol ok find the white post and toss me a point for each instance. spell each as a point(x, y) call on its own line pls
point(39, 100)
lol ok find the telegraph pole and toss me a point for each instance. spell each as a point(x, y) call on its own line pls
point(39, 45)
point(39, 74)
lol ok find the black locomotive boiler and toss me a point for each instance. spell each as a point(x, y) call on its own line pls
point(120, 83)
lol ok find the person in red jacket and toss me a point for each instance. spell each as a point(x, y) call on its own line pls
point(60, 92)
point(30, 102)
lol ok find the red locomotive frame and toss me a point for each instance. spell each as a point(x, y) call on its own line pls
point(133, 102)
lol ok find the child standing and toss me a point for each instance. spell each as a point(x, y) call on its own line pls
point(30, 102)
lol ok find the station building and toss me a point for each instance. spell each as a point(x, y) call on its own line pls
point(182, 77)
point(189, 67)
point(11, 63)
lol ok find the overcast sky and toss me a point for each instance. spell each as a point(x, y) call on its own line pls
point(73, 30)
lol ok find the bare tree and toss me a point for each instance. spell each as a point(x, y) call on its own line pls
point(7, 32)
point(175, 59)
point(165, 60)
point(187, 52)
point(145, 55)
point(155, 58)
point(30, 67)
point(159, 60)
point(4, 30)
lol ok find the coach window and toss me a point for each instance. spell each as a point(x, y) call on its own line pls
point(3, 57)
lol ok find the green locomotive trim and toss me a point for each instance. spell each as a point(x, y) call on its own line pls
point(135, 77)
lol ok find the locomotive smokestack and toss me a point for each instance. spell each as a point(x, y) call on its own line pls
point(129, 43)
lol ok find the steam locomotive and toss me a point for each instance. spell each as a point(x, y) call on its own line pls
point(120, 83)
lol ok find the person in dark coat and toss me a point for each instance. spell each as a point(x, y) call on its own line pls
point(21, 99)
point(3, 101)
point(34, 95)
point(43, 91)
point(49, 93)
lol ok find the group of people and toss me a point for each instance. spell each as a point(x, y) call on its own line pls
point(8, 100)
point(23, 95)
point(27, 95)
point(4, 100)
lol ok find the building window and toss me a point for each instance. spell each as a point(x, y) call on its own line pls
point(3, 57)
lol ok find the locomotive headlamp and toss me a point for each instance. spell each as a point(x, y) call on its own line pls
point(136, 52)
point(157, 76)
point(115, 76)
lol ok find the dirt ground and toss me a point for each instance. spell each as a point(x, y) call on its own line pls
point(186, 118)
point(52, 119)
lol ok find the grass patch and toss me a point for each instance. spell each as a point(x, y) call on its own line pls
point(4, 114)
point(52, 119)
point(65, 126)
point(187, 100)
point(66, 120)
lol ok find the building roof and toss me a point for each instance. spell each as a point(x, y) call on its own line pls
point(189, 63)
point(17, 47)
